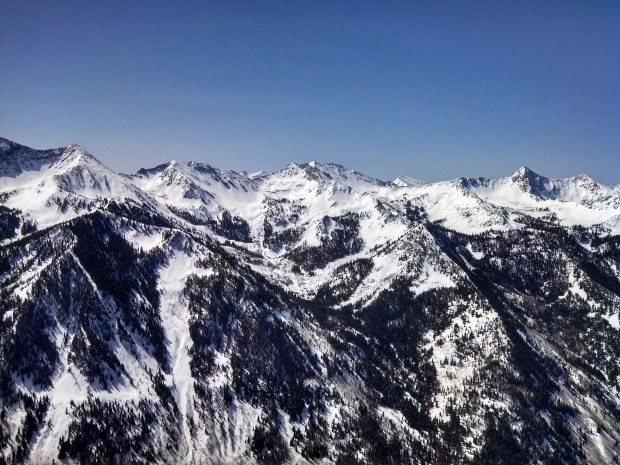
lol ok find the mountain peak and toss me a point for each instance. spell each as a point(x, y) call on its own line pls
point(5, 143)
point(74, 155)
point(586, 180)
point(332, 172)
point(77, 151)
point(16, 158)
point(532, 182)
point(256, 174)
point(525, 173)
point(312, 170)
point(406, 181)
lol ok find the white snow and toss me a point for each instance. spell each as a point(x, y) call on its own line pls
point(175, 320)
point(299, 196)
point(476, 254)
point(613, 319)
point(466, 205)
point(456, 368)
point(431, 279)
point(574, 284)
point(145, 240)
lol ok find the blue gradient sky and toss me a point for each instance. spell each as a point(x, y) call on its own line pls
point(429, 89)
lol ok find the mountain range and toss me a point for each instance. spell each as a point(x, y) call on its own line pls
point(187, 314)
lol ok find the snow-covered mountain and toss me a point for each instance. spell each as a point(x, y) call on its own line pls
point(188, 314)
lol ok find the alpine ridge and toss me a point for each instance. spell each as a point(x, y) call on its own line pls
point(187, 314)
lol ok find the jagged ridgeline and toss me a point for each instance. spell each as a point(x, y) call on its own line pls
point(191, 315)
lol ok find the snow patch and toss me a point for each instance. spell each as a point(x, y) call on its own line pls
point(613, 319)
point(175, 320)
point(475, 254)
point(431, 278)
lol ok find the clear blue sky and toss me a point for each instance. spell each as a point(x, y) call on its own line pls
point(429, 89)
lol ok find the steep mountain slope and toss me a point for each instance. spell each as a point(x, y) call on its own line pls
point(187, 314)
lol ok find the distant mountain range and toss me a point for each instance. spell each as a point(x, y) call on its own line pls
point(187, 314)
